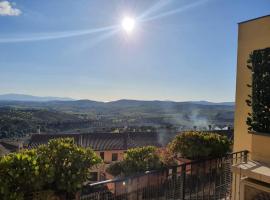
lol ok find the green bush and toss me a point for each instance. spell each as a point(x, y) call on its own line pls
point(61, 166)
point(67, 164)
point(259, 100)
point(137, 160)
point(198, 145)
point(19, 175)
point(116, 168)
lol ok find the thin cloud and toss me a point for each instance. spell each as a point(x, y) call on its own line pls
point(55, 35)
point(160, 4)
point(177, 10)
point(7, 9)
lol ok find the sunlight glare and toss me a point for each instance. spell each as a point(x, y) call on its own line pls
point(128, 24)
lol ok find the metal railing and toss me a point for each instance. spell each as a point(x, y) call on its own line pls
point(210, 179)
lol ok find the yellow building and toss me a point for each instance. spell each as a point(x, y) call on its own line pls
point(253, 35)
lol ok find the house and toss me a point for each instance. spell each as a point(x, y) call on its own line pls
point(110, 146)
point(253, 38)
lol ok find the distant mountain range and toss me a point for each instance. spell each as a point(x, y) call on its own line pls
point(31, 98)
point(212, 103)
point(24, 97)
point(60, 113)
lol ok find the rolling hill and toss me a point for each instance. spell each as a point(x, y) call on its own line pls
point(24, 97)
point(62, 115)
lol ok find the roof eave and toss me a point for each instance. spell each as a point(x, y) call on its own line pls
point(253, 19)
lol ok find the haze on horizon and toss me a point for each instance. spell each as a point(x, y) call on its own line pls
point(177, 50)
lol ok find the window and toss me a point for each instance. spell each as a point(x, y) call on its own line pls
point(114, 156)
point(101, 154)
point(93, 176)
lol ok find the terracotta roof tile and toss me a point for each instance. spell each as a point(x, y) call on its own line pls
point(102, 141)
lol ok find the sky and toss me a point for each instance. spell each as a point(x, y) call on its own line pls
point(179, 50)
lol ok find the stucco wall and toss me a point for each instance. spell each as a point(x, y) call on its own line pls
point(108, 155)
point(252, 35)
point(101, 169)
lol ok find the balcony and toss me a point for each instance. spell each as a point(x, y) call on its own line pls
point(210, 179)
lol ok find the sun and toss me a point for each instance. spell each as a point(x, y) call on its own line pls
point(128, 24)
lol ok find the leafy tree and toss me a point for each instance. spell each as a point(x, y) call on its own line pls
point(198, 145)
point(67, 164)
point(116, 168)
point(137, 160)
point(61, 166)
point(19, 175)
point(167, 157)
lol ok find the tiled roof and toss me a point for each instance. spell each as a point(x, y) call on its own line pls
point(9, 146)
point(3, 150)
point(142, 139)
point(102, 141)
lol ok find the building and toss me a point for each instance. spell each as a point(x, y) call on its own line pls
point(110, 146)
point(253, 35)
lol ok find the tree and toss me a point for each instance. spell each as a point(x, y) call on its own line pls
point(116, 168)
point(198, 145)
point(66, 165)
point(19, 175)
point(167, 157)
point(137, 160)
point(61, 166)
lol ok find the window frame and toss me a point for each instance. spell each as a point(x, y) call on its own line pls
point(114, 158)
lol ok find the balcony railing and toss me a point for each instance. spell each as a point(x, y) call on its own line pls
point(209, 179)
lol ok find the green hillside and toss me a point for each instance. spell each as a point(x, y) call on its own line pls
point(16, 122)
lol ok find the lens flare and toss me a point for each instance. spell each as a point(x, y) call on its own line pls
point(128, 24)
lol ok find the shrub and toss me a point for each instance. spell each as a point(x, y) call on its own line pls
point(167, 157)
point(116, 168)
point(66, 166)
point(19, 175)
point(198, 145)
point(137, 160)
point(60, 166)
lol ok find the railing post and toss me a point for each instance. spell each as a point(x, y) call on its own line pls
point(183, 181)
point(245, 156)
point(174, 181)
point(174, 172)
point(137, 188)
